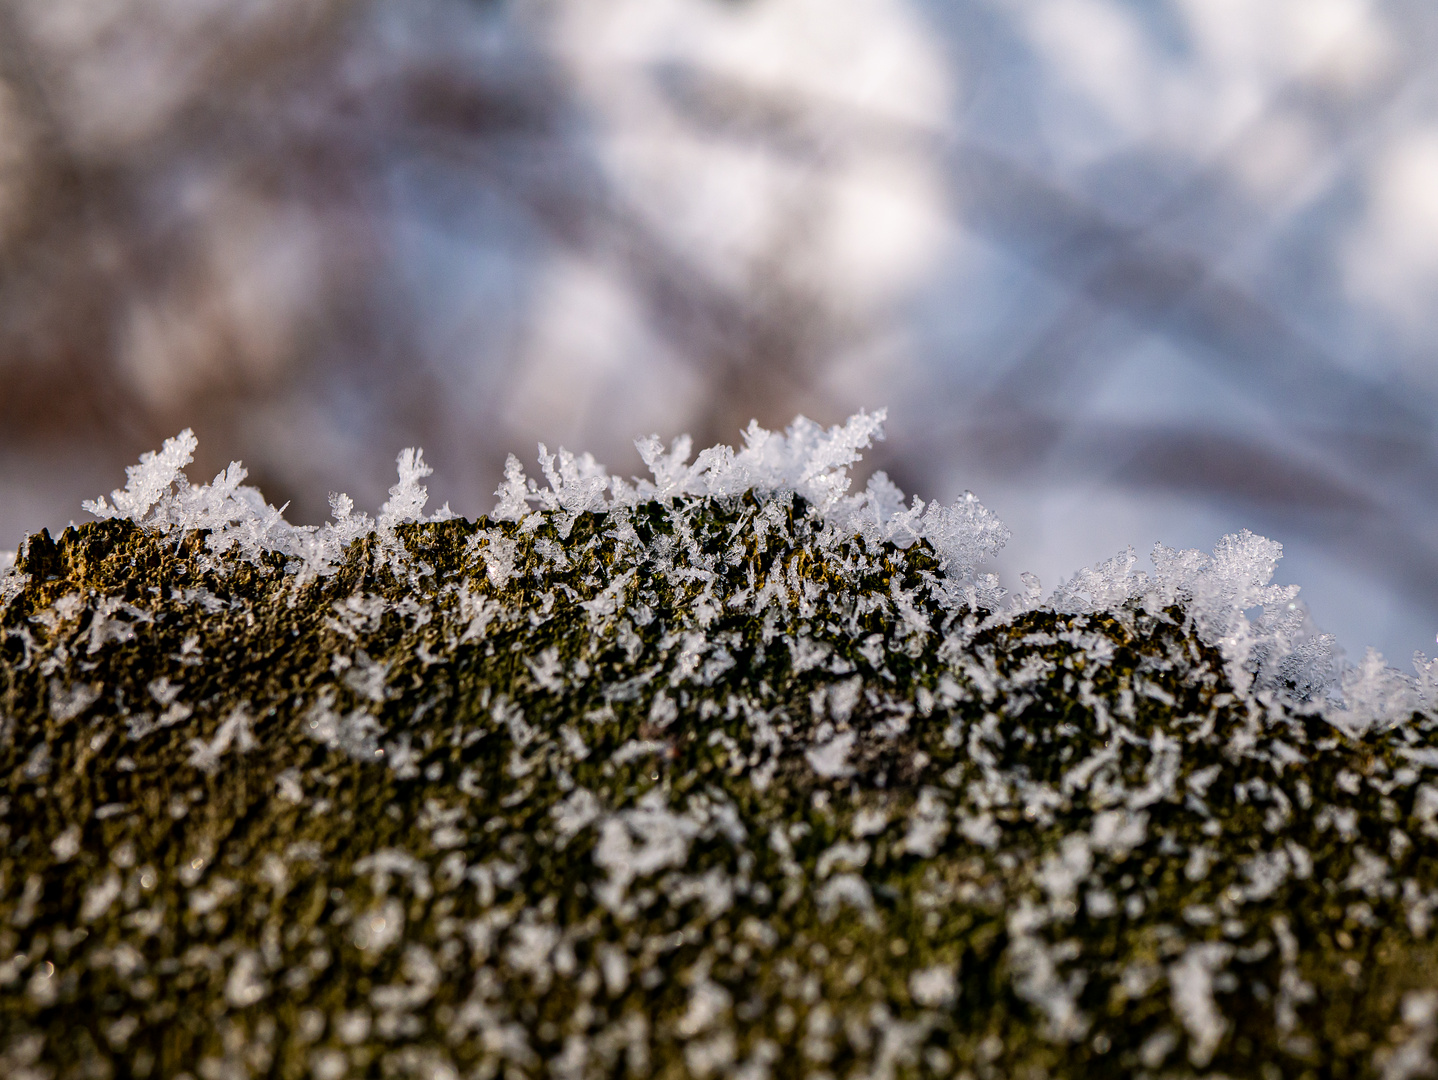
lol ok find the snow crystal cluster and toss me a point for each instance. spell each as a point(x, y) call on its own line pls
point(158, 495)
point(806, 460)
point(1277, 651)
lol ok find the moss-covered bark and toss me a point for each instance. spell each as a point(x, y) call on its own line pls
point(691, 790)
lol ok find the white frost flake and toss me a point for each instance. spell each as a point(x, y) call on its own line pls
point(830, 757)
point(640, 841)
point(233, 733)
point(1191, 980)
point(844, 890)
point(934, 987)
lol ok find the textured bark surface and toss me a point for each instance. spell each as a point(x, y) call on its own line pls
point(689, 790)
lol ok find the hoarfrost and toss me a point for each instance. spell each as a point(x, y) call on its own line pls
point(66, 703)
point(928, 825)
point(869, 821)
point(245, 987)
point(67, 845)
point(806, 459)
point(1038, 980)
point(830, 757)
point(379, 928)
point(1414, 1056)
point(637, 842)
point(576, 812)
point(407, 498)
point(1276, 649)
point(1117, 832)
point(99, 896)
point(844, 890)
point(12, 582)
point(158, 494)
point(1064, 870)
point(1191, 979)
point(149, 485)
point(234, 732)
point(934, 987)
point(708, 1003)
point(366, 677)
point(1262, 630)
point(841, 855)
point(107, 625)
point(1376, 696)
point(356, 732)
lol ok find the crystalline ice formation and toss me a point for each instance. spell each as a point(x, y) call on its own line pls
point(11, 580)
point(158, 495)
point(807, 460)
point(1278, 651)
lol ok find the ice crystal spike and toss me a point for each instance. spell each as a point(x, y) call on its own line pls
point(1279, 651)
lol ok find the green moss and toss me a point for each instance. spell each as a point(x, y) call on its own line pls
point(1033, 833)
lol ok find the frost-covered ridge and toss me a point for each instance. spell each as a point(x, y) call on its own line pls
point(1278, 651)
point(807, 461)
point(724, 774)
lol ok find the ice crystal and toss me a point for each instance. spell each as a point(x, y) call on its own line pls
point(806, 460)
point(1277, 648)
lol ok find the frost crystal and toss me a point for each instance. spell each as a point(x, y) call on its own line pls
point(407, 498)
point(157, 494)
point(1192, 981)
point(806, 460)
point(150, 486)
point(1277, 649)
point(12, 582)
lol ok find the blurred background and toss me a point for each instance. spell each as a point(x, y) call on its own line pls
point(1130, 271)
